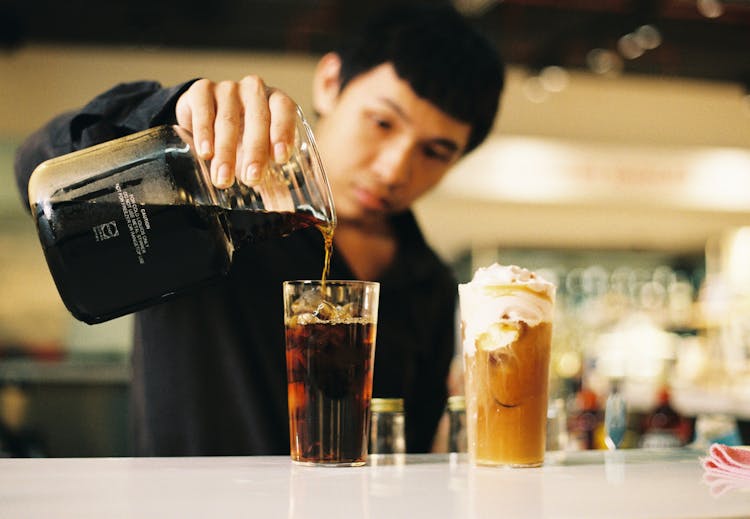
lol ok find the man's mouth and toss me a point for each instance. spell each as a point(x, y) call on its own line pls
point(370, 200)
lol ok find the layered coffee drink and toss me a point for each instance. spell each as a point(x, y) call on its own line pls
point(506, 322)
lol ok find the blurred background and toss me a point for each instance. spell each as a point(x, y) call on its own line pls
point(619, 166)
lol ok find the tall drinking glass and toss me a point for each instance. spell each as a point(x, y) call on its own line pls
point(330, 348)
point(506, 319)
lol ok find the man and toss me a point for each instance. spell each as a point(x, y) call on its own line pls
point(397, 108)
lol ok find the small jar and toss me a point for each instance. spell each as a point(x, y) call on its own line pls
point(457, 424)
point(387, 426)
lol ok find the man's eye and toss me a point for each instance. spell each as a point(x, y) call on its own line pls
point(383, 124)
point(436, 153)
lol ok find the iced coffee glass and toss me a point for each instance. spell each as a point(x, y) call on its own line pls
point(506, 321)
point(330, 348)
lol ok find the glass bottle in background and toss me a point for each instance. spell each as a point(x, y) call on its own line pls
point(716, 428)
point(615, 417)
point(387, 423)
point(457, 423)
point(664, 427)
point(585, 420)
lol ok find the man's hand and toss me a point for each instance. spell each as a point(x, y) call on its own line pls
point(239, 126)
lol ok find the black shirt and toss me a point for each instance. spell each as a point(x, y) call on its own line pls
point(209, 373)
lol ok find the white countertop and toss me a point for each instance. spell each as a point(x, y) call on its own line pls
point(628, 484)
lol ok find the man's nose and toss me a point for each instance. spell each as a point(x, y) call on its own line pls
point(394, 165)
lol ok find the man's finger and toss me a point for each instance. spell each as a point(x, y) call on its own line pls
point(196, 111)
point(227, 127)
point(255, 140)
point(283, 119)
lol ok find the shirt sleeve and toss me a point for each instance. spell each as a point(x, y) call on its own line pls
point(124, 109)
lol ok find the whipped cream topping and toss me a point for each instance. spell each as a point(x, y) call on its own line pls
point(506, 295)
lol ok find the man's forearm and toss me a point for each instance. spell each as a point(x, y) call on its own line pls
point(122, 110)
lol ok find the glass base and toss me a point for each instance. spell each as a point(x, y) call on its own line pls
point(325, 463)
point(488, 463)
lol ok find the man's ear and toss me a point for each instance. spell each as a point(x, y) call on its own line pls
point(326, 83)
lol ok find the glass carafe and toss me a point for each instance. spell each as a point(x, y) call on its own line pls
point(130, 222)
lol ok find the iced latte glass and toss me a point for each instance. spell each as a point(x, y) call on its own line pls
point(330, 348)
point(506, 322)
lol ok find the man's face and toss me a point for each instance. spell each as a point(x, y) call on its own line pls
point(383, 147)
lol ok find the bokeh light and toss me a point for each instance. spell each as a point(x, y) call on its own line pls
point(554, 78)
point(604, 62)
point(648, 37)
point(710, 8)
point(629, 47)
point(534, 90)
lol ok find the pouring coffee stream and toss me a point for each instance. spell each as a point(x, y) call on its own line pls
point(327, 231)
point(134, 221)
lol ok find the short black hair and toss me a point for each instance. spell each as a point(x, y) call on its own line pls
point(444, 59)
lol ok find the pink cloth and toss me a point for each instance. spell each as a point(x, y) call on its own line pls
point(726, 468)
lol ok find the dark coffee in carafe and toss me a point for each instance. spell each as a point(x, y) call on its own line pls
point(132, 222)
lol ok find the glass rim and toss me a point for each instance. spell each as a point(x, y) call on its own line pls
point(333, 282)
